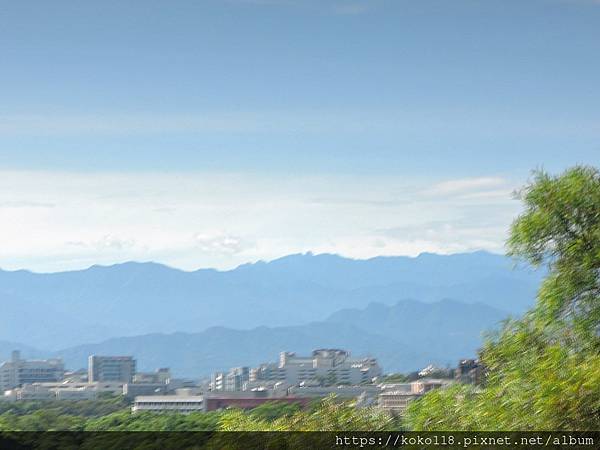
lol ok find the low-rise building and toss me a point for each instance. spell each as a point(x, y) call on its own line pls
point(214, 401)
point(62, 391)
point(109, 387)
point(395, 397)
point(132, 390)
point(33, 392)
point(150, 383)
point(396, 402)
point(181, 383)
point(189, 391)
point(18, 372)
point(341, 392)
point(162, 375)
point(75, 394)
point(76, 376)
point(168, 404)
point(326, 367)
point(402, 387)
point(426, 384)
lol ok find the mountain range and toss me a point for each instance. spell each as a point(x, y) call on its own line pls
point(396, 308)
point(404, 337)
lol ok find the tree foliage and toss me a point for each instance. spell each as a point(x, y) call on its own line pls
point(85, 408)
point(56, 415)
point(125, 421)
point(544, 369)
point(329, 415)
point(561, 228)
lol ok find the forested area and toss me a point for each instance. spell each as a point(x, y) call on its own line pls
point(114, 415)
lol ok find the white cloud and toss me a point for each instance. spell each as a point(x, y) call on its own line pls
point(193, 220)
point(25, 204)
point(397, 122)
point(219, 243)
point(106, 242)
point(466, 186)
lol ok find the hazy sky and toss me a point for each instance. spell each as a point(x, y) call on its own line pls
point(212, 133)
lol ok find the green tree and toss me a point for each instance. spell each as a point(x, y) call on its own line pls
point(561, 228)
point(544, 368)
point(274, 410)
point(85, 408)
point(329, 415)
point(147, 421)
point(395, 378)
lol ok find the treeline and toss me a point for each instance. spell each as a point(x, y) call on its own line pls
point(114, 415)
point(57, 415)
point(106, 404)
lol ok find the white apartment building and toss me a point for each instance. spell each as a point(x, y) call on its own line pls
point(324, 367)
point(217, 382)
point(235, 380)
point(17, 371)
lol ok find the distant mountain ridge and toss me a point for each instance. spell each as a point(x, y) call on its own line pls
point(6, 348)
point(404, 337)
point(56, 310)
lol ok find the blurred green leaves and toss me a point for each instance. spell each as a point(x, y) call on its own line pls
point(543, 369)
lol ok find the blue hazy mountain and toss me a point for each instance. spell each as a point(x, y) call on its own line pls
point(219, 348)
point(55, 310)
point(404, 337)
point(441, 331)
point(6, 348)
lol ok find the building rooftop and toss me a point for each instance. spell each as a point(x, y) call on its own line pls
point(169, 398)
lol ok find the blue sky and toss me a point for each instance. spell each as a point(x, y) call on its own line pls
point(408, 123)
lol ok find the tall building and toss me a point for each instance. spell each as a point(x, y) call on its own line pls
point(234, 380)
point(111, 368)
point(17, 371)
point(217, 382)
